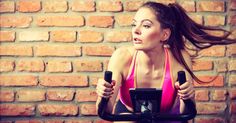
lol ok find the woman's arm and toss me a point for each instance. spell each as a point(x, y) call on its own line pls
point(117, 64)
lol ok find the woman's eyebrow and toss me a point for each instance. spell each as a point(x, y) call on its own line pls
point(144, 20)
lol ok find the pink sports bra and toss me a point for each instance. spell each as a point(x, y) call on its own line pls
point(168, 91)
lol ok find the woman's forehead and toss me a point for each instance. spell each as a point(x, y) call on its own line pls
point(144, 13)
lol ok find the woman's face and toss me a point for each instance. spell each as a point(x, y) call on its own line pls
point(146, 30)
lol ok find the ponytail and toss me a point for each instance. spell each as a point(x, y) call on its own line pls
point(182, 26)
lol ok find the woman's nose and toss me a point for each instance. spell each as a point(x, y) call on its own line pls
point(137, 30)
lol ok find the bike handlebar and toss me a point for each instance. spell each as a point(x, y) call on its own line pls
point(140, 116)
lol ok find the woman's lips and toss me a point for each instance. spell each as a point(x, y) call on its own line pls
point(137, 41)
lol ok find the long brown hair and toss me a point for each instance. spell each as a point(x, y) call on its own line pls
point(174, 17)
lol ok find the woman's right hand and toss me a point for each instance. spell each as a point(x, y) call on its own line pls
point(105, 89)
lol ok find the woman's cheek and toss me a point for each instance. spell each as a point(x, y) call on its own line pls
point(154, 36)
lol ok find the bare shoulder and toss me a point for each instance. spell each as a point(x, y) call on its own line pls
point(121, 57)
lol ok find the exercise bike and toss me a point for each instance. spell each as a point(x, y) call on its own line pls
point(148, 111)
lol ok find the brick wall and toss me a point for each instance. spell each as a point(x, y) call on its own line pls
point(53, 51)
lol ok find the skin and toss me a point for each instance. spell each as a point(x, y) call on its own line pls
point(150, 67)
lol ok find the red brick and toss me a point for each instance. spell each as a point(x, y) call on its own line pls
point(54, 121)
point(94, 80)
point(110, 6)
point(124, 19)
point(33, 36)
point(30, 65)
point(215, 20)
point(88, 109)
point(232, 93)
point(90, 36)
point(18, 80)
point(232, 65)
point(55, 6)
point(232, 80)
point(16, 50)
point(218, 82)
point(202, 65)
point(7, 6)
point(133, 5)
point(231, 49)
point(7, 96)
point(83, 6)
point(58, 109)
point(232, 19)
point(232, 36)
point(213, 51)
point(78, 121)
point(6, 65)
point(221, 65)
point(189, 6)
point(15, 21)
point(29, 121)
point(100, 21)
point(118, 36)
point(215, 33)
point(60, 95)
point(49, 21)
point(210, 6)
point(202, 95)
point(197, 18)
point(26, 95)
point(232, 5)
point(232, 108)
point(17, 110)
point(100, 50)
point(86, 95)
point(86, 65)
point(28, 5)
point(219, 95)
point(63, 80)
point(105, 64)
point(57, 50)
point(209, 120)
point(7, 36)
point(211, 107)
point(59, 66)
point(63, 36)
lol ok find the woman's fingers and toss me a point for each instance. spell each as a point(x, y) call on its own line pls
point(104, 94)
point(105, 89)
point(186, 90)
point(189, 95)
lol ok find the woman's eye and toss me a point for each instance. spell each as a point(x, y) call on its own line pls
point(146, 26)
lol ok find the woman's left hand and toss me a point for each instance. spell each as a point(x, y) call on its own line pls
point(186, 90)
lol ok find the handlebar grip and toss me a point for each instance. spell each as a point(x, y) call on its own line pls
point(181, 77)
point(103, 104)
point(189, 103)
point(108, 76)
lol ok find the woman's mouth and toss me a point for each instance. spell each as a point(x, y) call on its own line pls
point(137, 41)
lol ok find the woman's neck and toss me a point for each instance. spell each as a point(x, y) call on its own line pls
point(154, 59)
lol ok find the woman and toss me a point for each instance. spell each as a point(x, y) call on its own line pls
point(157, 54)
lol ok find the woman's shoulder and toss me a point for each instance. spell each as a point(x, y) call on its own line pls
point(122, 56)
point(125, 52)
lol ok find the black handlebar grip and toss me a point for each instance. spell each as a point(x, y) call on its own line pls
point(181, 77)
point(189, 103)
point(108, 76)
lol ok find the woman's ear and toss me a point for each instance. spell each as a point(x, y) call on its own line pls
point(165, 34)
